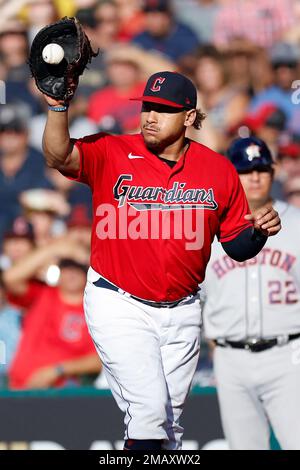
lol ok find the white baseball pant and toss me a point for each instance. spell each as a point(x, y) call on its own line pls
point(149, 356)
point(255, 389)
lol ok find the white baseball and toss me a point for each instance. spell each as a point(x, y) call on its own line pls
point(53, 53)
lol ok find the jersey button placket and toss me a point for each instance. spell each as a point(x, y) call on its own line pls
point(166, 246)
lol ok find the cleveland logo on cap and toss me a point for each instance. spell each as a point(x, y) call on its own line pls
point(170, 89)
point(156, 86)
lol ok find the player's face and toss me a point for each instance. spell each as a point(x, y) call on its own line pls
point(163, 125)
point(257, 185)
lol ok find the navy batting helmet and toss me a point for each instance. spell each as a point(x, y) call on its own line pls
point(250, 154)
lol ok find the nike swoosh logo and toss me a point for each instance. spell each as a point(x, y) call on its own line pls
point(132, 157)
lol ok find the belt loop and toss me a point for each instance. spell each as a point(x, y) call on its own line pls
point(282, 340)
point(123, 292)
point(221, 342)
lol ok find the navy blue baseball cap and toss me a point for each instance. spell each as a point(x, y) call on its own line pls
point(249, 154)
point(170, 89)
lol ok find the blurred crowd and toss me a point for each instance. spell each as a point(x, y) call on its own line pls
point(244, 58)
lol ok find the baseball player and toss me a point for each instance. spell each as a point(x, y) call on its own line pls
point(141, 300)
point(252, 313)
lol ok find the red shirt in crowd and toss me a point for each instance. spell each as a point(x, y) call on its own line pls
point(53, 331)
point(110, 102)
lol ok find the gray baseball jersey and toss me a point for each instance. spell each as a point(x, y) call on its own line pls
point(259, 297)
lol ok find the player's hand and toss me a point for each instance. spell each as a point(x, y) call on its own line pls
point(266, 220)
point(52, 101)
point(43, 378)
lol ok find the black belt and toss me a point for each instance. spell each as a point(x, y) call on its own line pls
point(256, 344)
point(108, 285)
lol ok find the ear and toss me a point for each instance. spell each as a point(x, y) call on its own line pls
point(190, 117)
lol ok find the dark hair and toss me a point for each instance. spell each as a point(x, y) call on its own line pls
point(71, 263)
point(200, 116)
point(208, 50)
point(86, 16)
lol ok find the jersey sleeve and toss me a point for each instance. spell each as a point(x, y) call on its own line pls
point(232, 220)
point(92, 151)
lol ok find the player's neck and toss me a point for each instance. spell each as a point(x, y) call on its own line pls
point(174, 151)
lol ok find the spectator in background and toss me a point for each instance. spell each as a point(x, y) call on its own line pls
point(107, 24)
point(285, 60)
point(288, 168)
point(39, 266)
point(268, 123)
point(293, 33)
point(164, 33)
point(14, 49)
point(289, 160)
point(111, 108)
point(132, 18)
point(79, 226)
point(263, 22)
point(18, 241)
point(21, 167)
point(10, 331)
point(200, 15)
point(14, 54)
point(101, 24)
point(39, 13)
point(55, 347)
point(74, 193)
point(45, 210)
point(248, 66)
point(225, 104)
point(291, 189)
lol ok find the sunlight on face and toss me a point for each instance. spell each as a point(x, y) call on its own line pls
point(161, 125)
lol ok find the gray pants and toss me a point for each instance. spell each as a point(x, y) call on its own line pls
point(258, 389)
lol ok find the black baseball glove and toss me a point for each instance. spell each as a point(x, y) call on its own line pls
point(59, 81)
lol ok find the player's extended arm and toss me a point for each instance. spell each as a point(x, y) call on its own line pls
point(245, 245)
point(59, 150)
point(249, 242)
point(57, 77)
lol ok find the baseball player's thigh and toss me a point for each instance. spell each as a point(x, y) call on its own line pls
point(282, 394)
point(129, 348)
point(180, 353)
point(244, 422)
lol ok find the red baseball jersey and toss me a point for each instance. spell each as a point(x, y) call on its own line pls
point(153, 225)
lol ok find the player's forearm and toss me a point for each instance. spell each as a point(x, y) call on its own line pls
point(90, 364)
point(245, 245)
point(56, 139)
